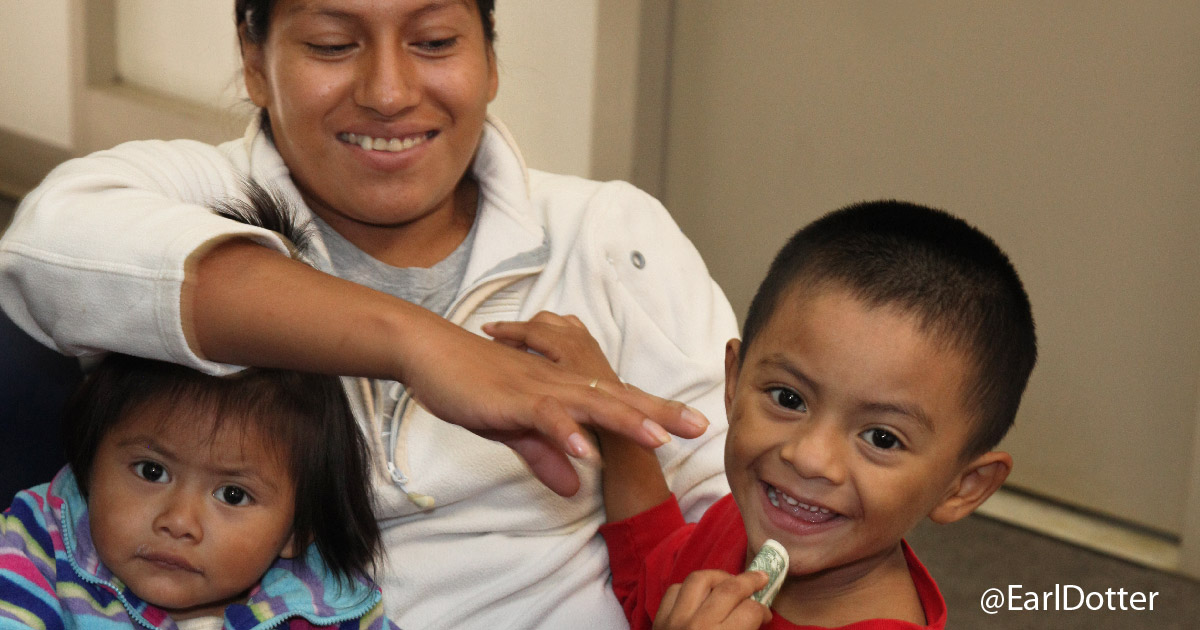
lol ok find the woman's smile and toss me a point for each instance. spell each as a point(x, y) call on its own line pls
point(391, 145)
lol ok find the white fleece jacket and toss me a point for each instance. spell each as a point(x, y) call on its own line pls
point(94, 261)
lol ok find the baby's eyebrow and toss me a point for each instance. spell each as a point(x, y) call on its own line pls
point(147, 442)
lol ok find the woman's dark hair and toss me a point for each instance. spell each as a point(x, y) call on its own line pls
point(255, 16)
point(305, 416)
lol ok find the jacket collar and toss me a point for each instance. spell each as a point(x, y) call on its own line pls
point(300, 587)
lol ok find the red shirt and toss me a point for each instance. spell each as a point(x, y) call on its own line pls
point(655, 549)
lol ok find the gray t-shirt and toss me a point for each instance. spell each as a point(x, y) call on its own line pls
point(433, 288)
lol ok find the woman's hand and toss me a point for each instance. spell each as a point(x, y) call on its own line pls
point(631, 478)
point(303, 319)
point(713, 600)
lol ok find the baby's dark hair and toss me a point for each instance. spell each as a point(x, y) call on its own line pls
point(956, 281)
point(305, 416)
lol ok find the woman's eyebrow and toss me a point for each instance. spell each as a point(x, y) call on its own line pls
point(324, 10)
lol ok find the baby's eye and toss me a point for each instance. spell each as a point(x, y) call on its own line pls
point(881, 439)
point(232, 495)
point(787, 399)
point(151, 471)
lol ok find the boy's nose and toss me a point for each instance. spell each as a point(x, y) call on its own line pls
point(180, 516)
point(817, 451)
point(387, 79)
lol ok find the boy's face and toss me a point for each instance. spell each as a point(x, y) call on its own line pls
point(846, 426)
point(187, 520)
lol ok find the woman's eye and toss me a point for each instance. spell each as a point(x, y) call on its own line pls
point(232, 495)
point(882, 439)
point(151, 471)
point(437, 45)
point(329, 50)
point(788, 399)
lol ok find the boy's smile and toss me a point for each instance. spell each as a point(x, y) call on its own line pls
point(846, 427)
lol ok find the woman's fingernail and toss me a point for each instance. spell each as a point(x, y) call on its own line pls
point(694, 418)
point(579, 446)
point(655, 429)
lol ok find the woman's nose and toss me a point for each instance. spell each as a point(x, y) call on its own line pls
point(180, 516)
point(387, 80)
point(817, 451)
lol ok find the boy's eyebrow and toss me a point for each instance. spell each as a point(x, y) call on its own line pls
point(912, 411)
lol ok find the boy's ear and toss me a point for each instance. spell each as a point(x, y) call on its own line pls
point(731, 372)
point(977, 481)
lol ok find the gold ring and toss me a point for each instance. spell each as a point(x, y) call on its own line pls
point(593, 382)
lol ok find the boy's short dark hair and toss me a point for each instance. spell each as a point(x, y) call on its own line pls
point(958, 283)
point(305, 416)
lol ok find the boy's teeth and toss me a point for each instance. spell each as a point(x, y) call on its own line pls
point(774, 495)
point(382, 144)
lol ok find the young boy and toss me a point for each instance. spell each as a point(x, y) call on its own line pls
point(882, 359)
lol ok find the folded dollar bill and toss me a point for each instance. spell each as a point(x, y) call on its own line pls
point(772, 559)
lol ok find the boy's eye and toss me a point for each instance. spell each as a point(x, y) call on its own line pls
point(881, 439)
point(787, 399)
point(232, 495)
point(151, 471)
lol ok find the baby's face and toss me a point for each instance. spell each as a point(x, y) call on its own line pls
point(187, 520)
point(845, 428)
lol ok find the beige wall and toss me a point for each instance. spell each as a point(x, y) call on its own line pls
point(1065, 130)
point(185, 49)
point(35, 70)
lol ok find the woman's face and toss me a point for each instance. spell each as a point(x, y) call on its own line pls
point(376, 106)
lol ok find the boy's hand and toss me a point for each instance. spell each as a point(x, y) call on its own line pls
point(561, 338)
point(713, 600)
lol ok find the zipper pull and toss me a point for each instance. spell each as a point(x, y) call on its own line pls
point(422, 501)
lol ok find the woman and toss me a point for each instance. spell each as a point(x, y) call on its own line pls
point(374, 122)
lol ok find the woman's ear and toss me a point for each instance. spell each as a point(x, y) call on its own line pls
point(254, 70)
point(493, 73)
point(980, 478)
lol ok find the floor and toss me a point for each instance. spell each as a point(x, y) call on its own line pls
point(977, 554)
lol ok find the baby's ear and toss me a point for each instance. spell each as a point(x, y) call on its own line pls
point(978, 480)
point(290, 548)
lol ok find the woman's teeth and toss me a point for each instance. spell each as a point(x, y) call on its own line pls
point(775, 496)
point(382, 144)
